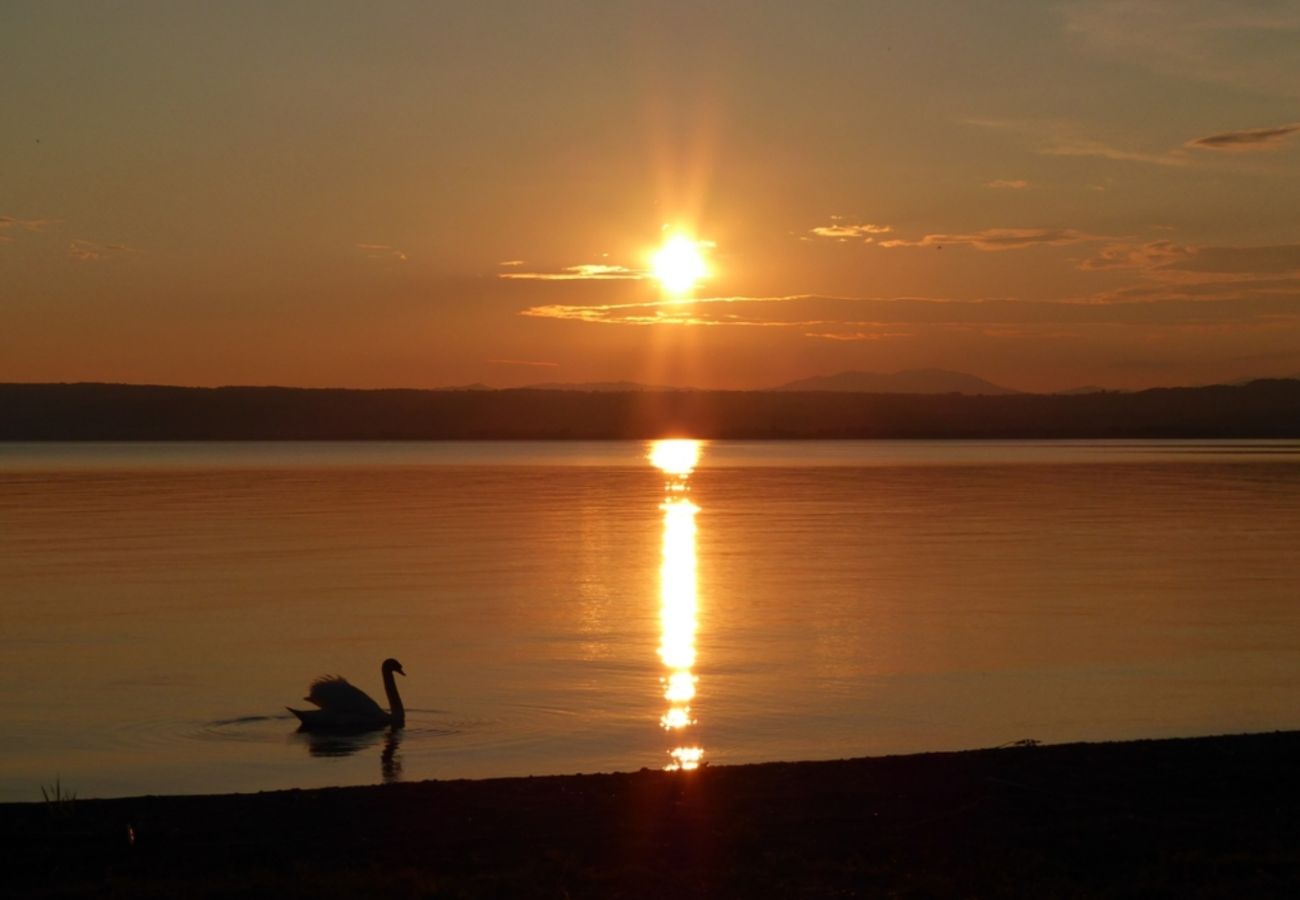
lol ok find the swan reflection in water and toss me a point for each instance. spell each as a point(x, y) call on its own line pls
point(333, 745)
point(678, 597)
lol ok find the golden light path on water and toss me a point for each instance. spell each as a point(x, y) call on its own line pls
point(678, 596)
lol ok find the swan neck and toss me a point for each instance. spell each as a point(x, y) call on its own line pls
point(397, 712)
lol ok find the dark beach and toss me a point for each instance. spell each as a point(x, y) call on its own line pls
point(1216, 816)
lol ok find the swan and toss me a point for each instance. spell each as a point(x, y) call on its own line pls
point(344, 707)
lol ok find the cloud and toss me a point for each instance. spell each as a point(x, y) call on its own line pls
point(995, 239)
point(1252, 261)
point(1220, 288)
point(93, 251)
point(842, 230)
point(9, 222)
point(1079, 146)
point(1011, 184)
point(523, 362)
point(1136, 256)
point(1247, 139)
point(584, 272)
point(1198, 263)
point(382, 251)
point(511, 262)
point(1060, 138)
point(27, 224)
point(865, 318)
point(857, 335)
point(1055, 137)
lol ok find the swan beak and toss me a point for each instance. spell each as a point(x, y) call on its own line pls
point(400, 672)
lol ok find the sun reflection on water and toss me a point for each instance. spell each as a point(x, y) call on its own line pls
point(678, 596)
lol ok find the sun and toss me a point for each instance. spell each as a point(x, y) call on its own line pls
point(679, 263)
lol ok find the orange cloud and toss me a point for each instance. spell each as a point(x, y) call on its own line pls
point(584, 272)
point(92, 251)
point(1010, 184)
point(26, 224)
point(859, 318)
point(1136, 256)
point(1065, 138)
point(841, 230)
point(995, 239)
point(857, 335)
point(1076, 146)
point(1192, 262)
point(382, 251)
point(523, 362)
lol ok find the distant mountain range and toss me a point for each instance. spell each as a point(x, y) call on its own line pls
point(1086, 389)
point(600, 387)
point(117, 412)
point(909, 381)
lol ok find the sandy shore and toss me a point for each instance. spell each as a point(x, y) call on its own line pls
point(1175, 818)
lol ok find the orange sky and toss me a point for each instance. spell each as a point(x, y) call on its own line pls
point(1045, 195)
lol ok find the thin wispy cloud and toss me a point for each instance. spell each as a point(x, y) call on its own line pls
point(854, 336)
point(1191, 263)
point(1135, 256)
point(382, 252)
point(842, 230)
point(1056, 137)
point(92, 251)
point(531, 363)
point(1008, 184)
point(1247, 139)
point(582, 272)
point(1256, 261)
point(27, 224)
point(868, 318)
point(1081, 146)
point(511, 262)
point(997, 239)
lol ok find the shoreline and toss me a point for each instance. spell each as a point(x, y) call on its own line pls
point(1208, 816)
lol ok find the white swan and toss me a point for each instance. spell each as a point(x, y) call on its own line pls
point(344, 707)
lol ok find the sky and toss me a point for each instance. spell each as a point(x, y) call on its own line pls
point(1045, 194)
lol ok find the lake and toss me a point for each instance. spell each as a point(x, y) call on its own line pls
point(579, 607)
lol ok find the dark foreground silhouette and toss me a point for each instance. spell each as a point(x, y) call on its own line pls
point(115, 412)
point(1209, 817)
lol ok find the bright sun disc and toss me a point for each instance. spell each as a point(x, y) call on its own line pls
point(678, 264)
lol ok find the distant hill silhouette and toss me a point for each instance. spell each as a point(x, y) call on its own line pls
point(1252, 378)
point(1086, 389)
point(909, 381)
point(115, 412)
point(602, 387)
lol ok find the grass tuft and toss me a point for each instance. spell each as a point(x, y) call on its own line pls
point(59, 800)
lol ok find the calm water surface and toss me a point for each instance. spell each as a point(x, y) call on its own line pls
point(567, 607)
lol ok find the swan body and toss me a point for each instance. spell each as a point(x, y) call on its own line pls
point(345, 707)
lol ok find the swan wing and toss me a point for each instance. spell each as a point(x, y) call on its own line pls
point(338, 695)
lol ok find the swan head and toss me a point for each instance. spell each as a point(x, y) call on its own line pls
point(392, 665)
